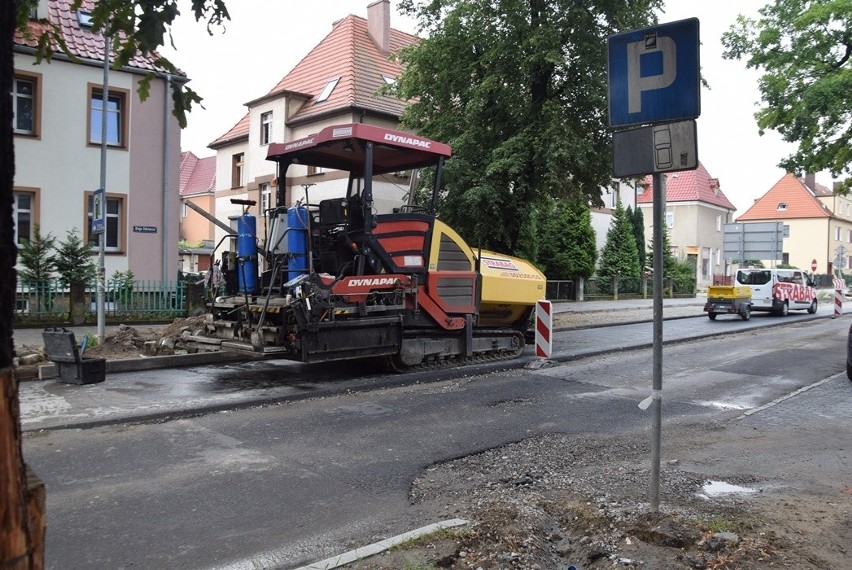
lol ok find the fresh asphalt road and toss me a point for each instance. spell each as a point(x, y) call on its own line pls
point(288, 483)
point(159, 394)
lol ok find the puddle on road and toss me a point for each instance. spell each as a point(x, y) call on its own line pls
point(718, 488)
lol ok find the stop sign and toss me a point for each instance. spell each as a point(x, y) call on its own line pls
point(813, 265)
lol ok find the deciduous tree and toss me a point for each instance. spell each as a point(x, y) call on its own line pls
point(518, 88)
point(804, 51)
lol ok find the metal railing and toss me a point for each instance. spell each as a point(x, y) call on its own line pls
point(602, 288)
point(51, 300)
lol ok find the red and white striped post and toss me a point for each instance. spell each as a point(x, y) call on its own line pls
point(838, 297)
point(543, 329)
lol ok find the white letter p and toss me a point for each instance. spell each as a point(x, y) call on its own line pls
point(636, 84)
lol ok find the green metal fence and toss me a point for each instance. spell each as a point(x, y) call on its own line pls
point(601, 287)
point(146, 300)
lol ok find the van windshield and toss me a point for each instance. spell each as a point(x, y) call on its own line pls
point(754, 277)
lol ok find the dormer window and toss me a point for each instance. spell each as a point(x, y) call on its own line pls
point(389, 80)
point(782, 207)
point(329, 87)
point(84, 19)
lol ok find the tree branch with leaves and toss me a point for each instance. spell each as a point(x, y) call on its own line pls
point(802, 48)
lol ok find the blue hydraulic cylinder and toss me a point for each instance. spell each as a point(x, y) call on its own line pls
point(297, 241)
point(247, 253)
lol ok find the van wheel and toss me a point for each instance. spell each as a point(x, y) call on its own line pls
point(712, 316)
point(784, 310)
point(813, 308)
point(746, 313)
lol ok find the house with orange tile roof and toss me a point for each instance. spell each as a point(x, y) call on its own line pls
point(338, 81)
point(197, 232)
point(57, 129)
point(817, 222)
point(696, 213)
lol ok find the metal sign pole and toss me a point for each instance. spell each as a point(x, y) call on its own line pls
point(102, 237)
point(657, 392)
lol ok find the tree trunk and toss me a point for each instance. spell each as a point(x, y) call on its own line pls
point(20, 545)
point(77, 303)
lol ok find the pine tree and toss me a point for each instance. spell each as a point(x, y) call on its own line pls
point(567, 250)
point(37, 259)
point(74, 261)
point(620, 257)
point(638, 221)
point(669, 261)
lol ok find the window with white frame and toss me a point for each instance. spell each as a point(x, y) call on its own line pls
point(116, 117)
point(237, 164)
point(114, 223)
point(22, 215)
point(266, 128)
point(24, 105)
point(669, 219)
point(184, 209)
point(718, 257)
point(837, 233)
point(265, 197)
point(849, 236)
point(718, 222)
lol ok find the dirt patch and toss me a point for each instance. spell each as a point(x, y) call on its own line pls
point(123, 343)
point(555, 501)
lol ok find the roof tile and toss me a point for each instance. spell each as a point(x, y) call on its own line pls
point(797, 199)
point(689, 186)
point(81, 42)
point(349, 53)
point(197, 175)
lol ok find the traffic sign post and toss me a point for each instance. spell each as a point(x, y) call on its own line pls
point(654, 80)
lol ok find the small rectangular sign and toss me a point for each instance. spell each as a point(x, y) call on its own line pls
point(666, 147)
point(98, 212)
point(145, 229)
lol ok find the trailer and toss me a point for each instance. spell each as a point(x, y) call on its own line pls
point(728, 300)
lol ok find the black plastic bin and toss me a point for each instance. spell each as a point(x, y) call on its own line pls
point(61, 348)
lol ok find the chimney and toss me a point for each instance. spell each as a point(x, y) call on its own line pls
point(378, 23)
point(810, 180)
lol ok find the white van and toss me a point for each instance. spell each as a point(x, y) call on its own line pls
point(779, 290)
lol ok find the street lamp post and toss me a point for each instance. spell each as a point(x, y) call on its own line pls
point(102, 236)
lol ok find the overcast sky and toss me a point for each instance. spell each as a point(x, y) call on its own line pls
point(266, 39)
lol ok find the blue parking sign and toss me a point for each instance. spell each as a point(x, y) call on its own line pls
point(654, 74)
